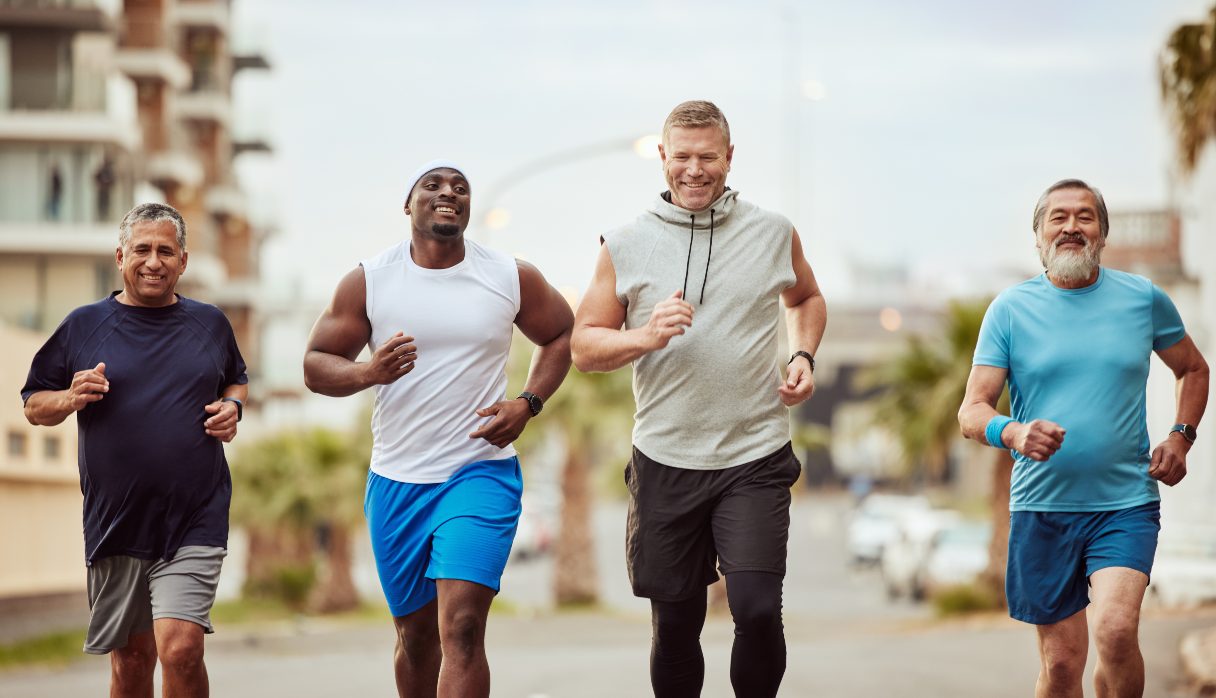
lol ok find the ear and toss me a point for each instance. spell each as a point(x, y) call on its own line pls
point(118, 257)
point(662, 154)
point(407, 208)
point(185, 258)
point(730, 153)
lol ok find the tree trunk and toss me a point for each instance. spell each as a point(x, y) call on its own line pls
point(271, 551)
point(335, 589)
point(574, 570)
point(993, 578)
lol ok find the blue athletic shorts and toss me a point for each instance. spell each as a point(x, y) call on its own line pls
point(1052, 554)
point(459, 529)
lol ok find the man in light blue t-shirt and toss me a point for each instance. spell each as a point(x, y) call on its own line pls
point(1074, 345)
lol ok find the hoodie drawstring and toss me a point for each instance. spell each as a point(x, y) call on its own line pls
point(708, 257)
point(692, 226)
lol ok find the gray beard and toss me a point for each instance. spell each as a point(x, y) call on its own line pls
point(1071, 267)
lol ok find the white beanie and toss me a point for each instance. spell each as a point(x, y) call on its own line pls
point(421, 172)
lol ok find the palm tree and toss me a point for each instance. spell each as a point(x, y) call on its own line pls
point(1187, 70)
point(291, 490)
point(591, 416)
point(924, 387)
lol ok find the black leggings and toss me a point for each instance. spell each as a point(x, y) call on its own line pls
point(757, 660)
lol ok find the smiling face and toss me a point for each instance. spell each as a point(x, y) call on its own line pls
point(151, 263)
point(695, 162)
point(439, 203)
point(1070, 238)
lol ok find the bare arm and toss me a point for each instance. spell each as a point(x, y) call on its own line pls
point(1168, 462)
point(806, 316)
point(50, 407)
point(340, 334)
point(1037, 439)
point(544, 318)
point(598, 342)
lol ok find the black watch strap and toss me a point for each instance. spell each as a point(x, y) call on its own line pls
point(535, 404)
point(1187, 431)
point(808, 357)
point(240, 406)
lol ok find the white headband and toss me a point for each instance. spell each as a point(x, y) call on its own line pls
point(432, 165)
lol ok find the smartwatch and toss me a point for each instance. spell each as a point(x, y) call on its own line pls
point(240, 406)
point(805, 355)
point(535, 404)
point(1187, 431)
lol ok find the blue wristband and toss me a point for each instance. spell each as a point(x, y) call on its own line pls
point(992, 432)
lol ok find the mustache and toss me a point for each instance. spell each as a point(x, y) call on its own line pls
point(1072, 237)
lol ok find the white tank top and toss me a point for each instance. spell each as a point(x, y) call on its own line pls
point(462, 320)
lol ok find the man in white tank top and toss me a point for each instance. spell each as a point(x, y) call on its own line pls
point(437, 312)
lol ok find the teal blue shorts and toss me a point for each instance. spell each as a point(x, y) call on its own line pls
point(459, 529)
point(1052, 555)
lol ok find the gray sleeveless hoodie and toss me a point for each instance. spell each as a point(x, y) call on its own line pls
point(709, 399)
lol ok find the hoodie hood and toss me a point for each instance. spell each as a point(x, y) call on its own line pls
point(716, 215)
point(670, 213)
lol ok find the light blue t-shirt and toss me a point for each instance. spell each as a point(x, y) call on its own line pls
point(1079, 358)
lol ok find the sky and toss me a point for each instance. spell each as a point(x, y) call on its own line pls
point(936, 125)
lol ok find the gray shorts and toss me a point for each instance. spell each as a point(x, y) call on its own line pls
point(126, 594)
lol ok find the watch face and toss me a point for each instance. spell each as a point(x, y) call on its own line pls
point(1188, 431)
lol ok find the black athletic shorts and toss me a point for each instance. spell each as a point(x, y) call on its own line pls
point(681, 521)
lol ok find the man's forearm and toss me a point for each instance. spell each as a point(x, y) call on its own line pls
point(973, 420)
point(805, 323)
point(47, 408)
point(550, 364)
point(1192, 395)
point(332, 375)
point(604, 349)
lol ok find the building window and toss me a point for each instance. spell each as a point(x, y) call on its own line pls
point(50, 448)
point(16, 444)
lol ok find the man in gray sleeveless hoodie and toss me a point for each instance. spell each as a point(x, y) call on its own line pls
point(688, 294)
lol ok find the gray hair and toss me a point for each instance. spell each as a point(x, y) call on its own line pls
point(696, 113)
point(1040, 209)
point(152, 213)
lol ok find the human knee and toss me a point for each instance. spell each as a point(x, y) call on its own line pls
point(463, 632)
point(417, 641)
point(181, 651)
point(1116, 636)
point(676, 624)
point(133, 662)
point(755, 602)
point(1063, 664)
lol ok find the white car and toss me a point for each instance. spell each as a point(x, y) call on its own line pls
point(960, 554)
point(904, 558)
point(874, 524)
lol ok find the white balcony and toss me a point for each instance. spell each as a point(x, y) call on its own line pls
point(174, 167)
point(154, 64)
point(68, 127)
point(87, 239)
point(226, 200)
point(210, 105)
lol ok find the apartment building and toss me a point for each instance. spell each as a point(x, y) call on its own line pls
point(103, 103)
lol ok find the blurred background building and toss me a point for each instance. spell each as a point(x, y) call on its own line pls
point(104, 105)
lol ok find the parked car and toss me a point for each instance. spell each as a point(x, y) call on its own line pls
point(1184, 572)
point(959, 555)
point(905, 557)
point(874, 524)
